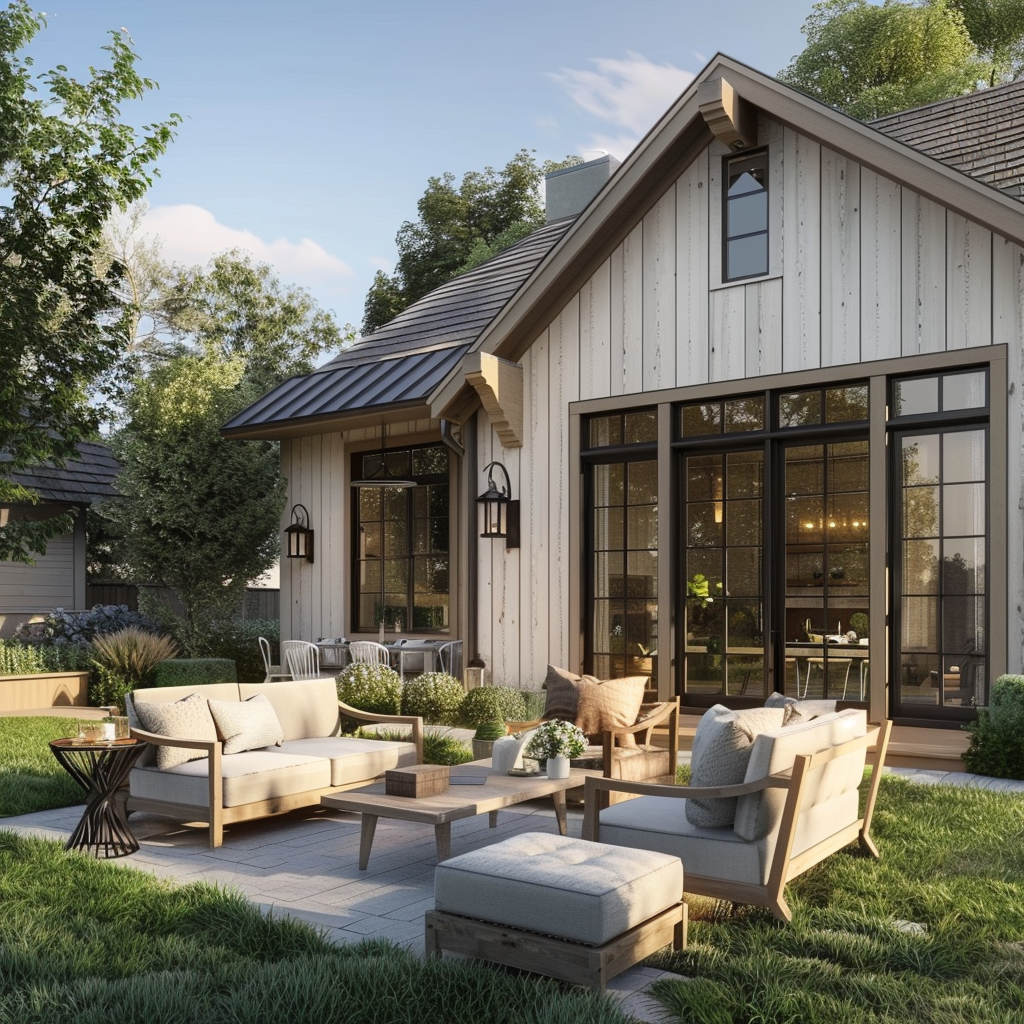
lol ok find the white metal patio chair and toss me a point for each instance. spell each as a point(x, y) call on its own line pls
point(301, 659)
point(274, 673)
point(368, 652)
point(449, 656)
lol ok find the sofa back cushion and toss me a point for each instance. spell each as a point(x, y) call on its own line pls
point(760, 814)
point(722, 747)
point(306, 708)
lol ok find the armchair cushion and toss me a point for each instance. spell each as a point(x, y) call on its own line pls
point(185, 719)
point(247, 724)
point(722, 746)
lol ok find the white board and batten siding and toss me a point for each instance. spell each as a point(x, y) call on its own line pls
point(861, 269)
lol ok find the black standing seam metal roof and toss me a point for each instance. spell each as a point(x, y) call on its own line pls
point(83, 481)
point(406, 359)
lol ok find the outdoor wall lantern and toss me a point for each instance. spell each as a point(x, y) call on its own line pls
point(501, 513)
point(299, 535)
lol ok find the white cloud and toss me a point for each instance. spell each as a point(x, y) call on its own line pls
point(190, 234)
point(630, 93)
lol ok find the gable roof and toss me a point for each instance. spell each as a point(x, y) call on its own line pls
point(402, 363)
point(415, 361)
point(87, 480)
point(980, 134)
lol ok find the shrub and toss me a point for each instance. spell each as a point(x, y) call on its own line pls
point(124, 661)
point(437, 747)
point(194, 672)
point(375, 688)
point(436, 696)
point(21, 659)
point(490, 703)
point(997, 737)
point(237, 640)
point(63, 627)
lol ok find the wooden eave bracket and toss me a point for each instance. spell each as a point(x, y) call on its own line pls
point(730, 117)
point(499, 386)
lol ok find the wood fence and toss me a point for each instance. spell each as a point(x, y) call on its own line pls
point(258, 603)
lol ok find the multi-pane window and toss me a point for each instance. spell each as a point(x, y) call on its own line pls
point(941, 452)
point(746, 216)
point(402, 557)
point(622, 475)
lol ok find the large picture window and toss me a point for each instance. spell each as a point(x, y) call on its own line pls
point(401, 535)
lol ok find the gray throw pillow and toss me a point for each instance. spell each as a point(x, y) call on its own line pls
point(721, 752)
point(247, 724)
point(185, 719)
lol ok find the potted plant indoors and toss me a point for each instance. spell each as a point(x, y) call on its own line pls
point(555, 742)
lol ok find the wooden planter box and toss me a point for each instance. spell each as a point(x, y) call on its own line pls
point(44, 690)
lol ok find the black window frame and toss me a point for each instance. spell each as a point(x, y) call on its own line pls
point(408, 623)
point(727, 161)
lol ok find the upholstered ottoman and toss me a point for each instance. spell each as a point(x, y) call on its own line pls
point(579, 911)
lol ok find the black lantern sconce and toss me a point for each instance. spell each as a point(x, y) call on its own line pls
point(299, 535)
point(501, 513)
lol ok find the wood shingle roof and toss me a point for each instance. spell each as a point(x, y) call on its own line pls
point(86, 480)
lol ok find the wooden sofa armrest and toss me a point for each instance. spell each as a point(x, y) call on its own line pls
point(159, 740)
point(594, 785)
point(416, 721)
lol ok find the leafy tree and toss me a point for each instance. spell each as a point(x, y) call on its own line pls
point(996, 28)
point(236, 307)
point(870, 61)
point(460, 225)
point(66, 161)
point(200, 512)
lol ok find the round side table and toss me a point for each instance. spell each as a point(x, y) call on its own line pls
point(101, 769)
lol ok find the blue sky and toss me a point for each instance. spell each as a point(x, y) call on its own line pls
point(311, 127)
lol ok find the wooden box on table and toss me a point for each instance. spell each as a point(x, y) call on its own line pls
point(417, 780)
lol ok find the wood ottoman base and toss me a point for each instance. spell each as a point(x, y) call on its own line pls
point(574, 910)
point(568, 961)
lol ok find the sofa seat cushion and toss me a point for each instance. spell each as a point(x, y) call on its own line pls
point(304, 707)
point(721, 751)
point(660, 823)
point(249, 777)
point(352, 759)
point(585, 892)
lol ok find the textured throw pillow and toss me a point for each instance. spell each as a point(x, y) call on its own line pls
point(779, 700)
point(721, 752)
point(610, 704)
point(185, 719)
point(563, 693)
point(247, 724)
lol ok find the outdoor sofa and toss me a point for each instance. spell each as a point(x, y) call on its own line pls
point(231, 752)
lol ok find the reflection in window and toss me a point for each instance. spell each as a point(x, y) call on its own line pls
point(401, 535)
point(848, 404)
point(734, 416)
point(623, 500)
point(746, 217)
point(639, 427)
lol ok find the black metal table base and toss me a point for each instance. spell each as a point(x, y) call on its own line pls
point(102, 772)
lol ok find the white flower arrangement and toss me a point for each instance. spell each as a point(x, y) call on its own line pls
point(556, 739)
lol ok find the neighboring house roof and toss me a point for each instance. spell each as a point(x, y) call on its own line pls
point(87, 480)
point(403, 362)
point(501, 307)
point(981, 134)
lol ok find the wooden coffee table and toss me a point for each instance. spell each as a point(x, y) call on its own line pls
point(459, 801)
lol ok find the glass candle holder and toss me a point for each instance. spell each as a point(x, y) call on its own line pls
point(122, 731)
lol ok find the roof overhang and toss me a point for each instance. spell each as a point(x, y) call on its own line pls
point(330, 424)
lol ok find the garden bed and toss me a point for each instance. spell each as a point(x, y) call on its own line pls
point(44, 690)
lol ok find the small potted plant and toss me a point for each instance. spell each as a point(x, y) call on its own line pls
point(484, 737)
point(556, 742)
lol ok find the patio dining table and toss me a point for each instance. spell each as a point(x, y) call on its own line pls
point(335, 653)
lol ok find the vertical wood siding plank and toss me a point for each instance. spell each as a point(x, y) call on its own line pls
point(633, 311)
point(801, 236)
point(968, 283)
point(692, 194)
point(924, 275)
point(543, 454)
point(840, 259)
point(659, 275)
point(617, 325)
point(595, 334)
point(484, 567)
point(881, 287)
point(772, 135)
point(763, 327)
point(728, 333)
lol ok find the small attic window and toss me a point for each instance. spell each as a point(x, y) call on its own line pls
point(746, 216)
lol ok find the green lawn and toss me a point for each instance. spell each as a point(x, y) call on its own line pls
point(30, 777)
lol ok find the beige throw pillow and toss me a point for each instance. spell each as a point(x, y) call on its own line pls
point(247, 724)
point(721, 751)
point(610, 704)
point(185, 719)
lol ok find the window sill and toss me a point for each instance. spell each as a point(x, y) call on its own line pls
point(740, 281)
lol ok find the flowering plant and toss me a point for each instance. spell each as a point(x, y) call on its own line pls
point(556, 739)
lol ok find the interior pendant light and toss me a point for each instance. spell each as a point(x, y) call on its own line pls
point(381, 477)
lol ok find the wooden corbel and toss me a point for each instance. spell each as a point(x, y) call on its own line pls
point(731, 118)
point(499, 385)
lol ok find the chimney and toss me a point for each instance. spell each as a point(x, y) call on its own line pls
point(568, 191)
